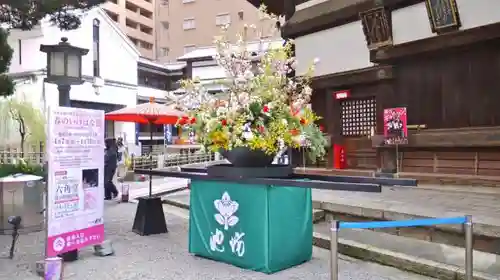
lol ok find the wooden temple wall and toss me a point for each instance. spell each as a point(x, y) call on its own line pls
point(447, 78)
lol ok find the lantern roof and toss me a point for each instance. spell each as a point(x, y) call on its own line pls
point(65, 47)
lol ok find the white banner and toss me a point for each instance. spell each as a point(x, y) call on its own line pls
point(75, 155)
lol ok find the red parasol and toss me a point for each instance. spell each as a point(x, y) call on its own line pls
point(147, 113)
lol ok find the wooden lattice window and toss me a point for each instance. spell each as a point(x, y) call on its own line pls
point(358, 116)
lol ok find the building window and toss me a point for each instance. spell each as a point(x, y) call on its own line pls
point(165, 24)
point(187, 1)
point(146, 45)
point(189, 23)
point(146, 29)
point(96, 53)
point(358, 116)
point(164, 51)
point(146, 13)
point(134, 40)
point(223, 19)
point(113, 16)
point(189, 48)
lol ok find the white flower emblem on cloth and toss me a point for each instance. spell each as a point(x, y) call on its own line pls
point(226, 208)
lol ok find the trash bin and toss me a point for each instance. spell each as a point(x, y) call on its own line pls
point(257, 227)
point(21, 195)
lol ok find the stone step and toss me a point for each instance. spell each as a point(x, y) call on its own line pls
point(318, 216)
point(427, 258)
point(486, 236)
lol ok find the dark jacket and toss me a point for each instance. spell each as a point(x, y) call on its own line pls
point(110, 159)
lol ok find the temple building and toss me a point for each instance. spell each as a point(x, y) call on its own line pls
point(439, 59)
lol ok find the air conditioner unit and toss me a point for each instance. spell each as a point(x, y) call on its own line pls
point(165, 24)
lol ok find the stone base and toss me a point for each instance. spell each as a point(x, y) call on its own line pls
point(104, 249)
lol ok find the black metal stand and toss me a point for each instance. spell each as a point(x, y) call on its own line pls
point(149, 218)
point(15, 236)
point(229, 171)
point(339, 183)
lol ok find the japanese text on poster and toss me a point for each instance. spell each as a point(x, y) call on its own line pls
point(75, 154)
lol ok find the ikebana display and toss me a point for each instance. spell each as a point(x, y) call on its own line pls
point(260, 110)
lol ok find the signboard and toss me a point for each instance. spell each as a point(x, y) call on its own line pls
point(342, 94)
point(395, 126)
point(75, 155)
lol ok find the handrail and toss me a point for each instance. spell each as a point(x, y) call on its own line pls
point(465, 220)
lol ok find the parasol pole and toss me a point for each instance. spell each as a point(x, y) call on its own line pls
point(151, 160)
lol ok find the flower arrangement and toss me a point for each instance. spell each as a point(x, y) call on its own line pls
point(260, 106)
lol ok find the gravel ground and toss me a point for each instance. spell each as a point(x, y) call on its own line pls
point(166, 257)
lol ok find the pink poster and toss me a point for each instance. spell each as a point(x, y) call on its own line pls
point(75, 196)
point(395, 126)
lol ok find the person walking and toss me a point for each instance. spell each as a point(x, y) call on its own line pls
point(122, 156)
point(110, 165)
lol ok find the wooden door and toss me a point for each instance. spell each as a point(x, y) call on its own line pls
point(358, 120)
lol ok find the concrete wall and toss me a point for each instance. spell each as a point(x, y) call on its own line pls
point(338, 49)
point(412, 23)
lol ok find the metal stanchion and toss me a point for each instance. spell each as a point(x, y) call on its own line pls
point(469, 245)
point(334, 256)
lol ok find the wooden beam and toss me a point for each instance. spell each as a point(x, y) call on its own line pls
point(333, 13)
point(459, 137)
point(436, 43)
point(350, 78)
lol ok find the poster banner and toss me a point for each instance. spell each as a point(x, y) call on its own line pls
point(75, 155)
point(395, 126)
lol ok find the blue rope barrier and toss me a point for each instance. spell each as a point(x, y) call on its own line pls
point(403, 223)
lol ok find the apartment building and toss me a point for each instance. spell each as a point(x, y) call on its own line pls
point(184, 25)
point(137, 19)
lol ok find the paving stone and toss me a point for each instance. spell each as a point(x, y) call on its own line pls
point(166, 257)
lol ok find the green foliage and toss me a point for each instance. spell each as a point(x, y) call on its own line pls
point(6, 84)
point(21, 167)
point(24, 15)
point(24, 118)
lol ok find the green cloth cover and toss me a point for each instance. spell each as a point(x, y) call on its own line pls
point(257, 227)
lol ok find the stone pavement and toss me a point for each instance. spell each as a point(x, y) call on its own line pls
point(166, 257)
point(160, 185)
point(428, 201)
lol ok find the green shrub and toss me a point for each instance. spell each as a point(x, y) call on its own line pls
point(21, 167)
